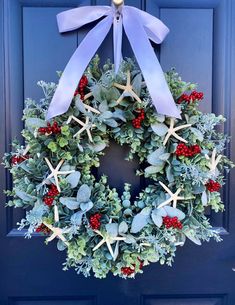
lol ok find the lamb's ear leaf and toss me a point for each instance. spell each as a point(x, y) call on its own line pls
point(76, 218)
point(112, 229)
point(86, 206)
point(73, 179)
point(70, 202)
point(140, 220)
point(192, 237)
point(123, 227)
point(84, 193)
point(174, 212)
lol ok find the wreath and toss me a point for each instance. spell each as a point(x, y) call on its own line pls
point(100, 229)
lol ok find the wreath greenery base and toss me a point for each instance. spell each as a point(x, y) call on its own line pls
point(102, 230)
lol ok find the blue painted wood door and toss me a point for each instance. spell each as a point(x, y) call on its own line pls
point(201, 46)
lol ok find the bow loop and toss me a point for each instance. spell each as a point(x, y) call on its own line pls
point(139, 27)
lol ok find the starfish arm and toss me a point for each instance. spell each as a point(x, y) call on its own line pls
point(88, 95)
point(120, 238)
point(49, 165)
point(166, 188)
point(91, 109)
point(120, 98)
point(99, 245)
point(57, 183)
point(48, 226)
point(27, 148)
point(179, 138)
point(213, 155)
point(65, 172)
point(110, 248)
point(172, 123)
point(79, 122)
point(175, 203)
point(119, 86)
point(136, 96)
point(79, 132)
point(59, 165)
point(182, 127)
point(164, 203)
point(218, 160)
point(166, 139)
point(128, 78)
point(61, 236)
point(69, 119)
point(56, 213)
point(177, 192)
point(89, 135)
point(53, 236)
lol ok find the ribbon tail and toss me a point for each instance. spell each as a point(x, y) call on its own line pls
point(76, 67)
point(154, 77)
point(117, 42)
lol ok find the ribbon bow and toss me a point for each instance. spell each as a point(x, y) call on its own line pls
point(140, 27)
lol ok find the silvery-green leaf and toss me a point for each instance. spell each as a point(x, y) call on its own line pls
point(130, 239)
point(160, 118)
point(103, 106)
point(192, 237)
point(61, 246)
point(140, 220)
point(153, 158)
point(161, 212)
point(198, 189)
point(83, 194)
point(76, 218)
point(204, 198)
point(164, 156)
point(112, 229)
point(197, 133)
point(98, 147)
point(73, 179)
point(80, 148)
point(111, 122)
point(106, 115)
point(86, 206)
point(137, 83)
point(119, 114)
point(70, 202)
point(153, 169)
point(67, 167)
point(23, 195)
point(96, 91)
point(34, 123)
point(80, 105)
point(157, 219)
point(174, 212)
point(169, 174)
point(123, 227)
point(159, 128)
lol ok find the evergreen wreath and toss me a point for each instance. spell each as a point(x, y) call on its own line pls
point(101, 230)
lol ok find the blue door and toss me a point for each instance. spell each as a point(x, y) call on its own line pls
point(201, 46)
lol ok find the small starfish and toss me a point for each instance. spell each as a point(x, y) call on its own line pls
point(55, 172)
point(172, 131)
point(109, 240)
point(173, 197)
point(86, 126)
point(213, 161)
point(57, 232)
point(87, 107)
point(128, 88)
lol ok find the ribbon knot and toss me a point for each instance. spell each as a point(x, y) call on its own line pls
point(139, 26)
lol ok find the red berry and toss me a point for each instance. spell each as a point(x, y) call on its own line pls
point(172, 222)
point(213, 186)
point(95, 221)
point(42, 229)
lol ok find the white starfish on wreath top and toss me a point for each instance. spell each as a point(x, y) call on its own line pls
point(86, 126)
point(127, 89)
point(55, 172)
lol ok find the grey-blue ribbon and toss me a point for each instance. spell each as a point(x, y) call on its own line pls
point(139, 26)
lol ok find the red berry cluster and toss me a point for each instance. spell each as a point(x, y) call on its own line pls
point(81, 87)
point(194, 96)
point(172, 222)
point(43, 229)
point(213, 186)
point(187, 151)
point(129, 271)
point(51, 194)
point(136, 123)
point(50, 129)
point(18, 159)
point(95, 221)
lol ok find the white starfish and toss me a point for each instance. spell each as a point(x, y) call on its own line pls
point(57, 232)
point(172, 131)
point(87, 107)
point(213, 161)
point(128, 88)
point(174, 197)
point(109, 240)
point(86, 126)
point(55, 172)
